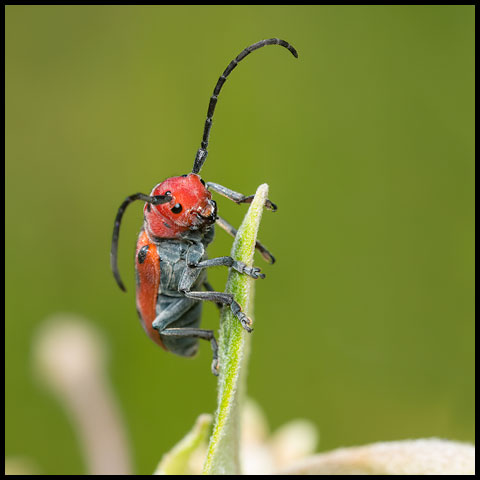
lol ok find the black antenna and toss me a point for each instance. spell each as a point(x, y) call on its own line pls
point(153, 200)
point(202, 151)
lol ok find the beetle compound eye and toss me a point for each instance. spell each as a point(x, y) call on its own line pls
point(177, 208)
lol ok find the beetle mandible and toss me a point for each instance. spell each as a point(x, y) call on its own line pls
point(171, 259)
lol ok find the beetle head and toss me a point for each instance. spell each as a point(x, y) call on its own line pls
point(191, 207)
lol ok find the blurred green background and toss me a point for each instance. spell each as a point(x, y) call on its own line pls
point(365, 325)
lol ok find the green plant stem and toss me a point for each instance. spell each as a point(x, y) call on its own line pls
point(223, 450)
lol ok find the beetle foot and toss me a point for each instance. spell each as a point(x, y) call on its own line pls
point(270, 205)
point(215, 366)
point(253, 272)
point(245, 321)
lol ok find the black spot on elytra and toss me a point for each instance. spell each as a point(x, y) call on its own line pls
point(142, 254)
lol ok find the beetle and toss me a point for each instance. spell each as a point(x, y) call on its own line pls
point(171, 258)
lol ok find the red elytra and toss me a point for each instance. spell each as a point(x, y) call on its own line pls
point(148, 280)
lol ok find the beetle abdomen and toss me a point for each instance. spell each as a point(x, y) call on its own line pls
point(183, 346)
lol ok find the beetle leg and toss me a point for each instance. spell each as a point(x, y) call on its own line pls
point(232, 231)
point(172, 313)
point(240, 267)
point(226, 299)
point(189, 277)
point(209, 288)
point(197, 333)
point(236, 196)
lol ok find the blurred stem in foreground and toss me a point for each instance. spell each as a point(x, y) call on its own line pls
point(223, 456)
point(70, 357)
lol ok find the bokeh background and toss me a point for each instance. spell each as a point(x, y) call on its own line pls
point(365, 325)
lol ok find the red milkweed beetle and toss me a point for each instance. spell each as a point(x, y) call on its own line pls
point(171, 258)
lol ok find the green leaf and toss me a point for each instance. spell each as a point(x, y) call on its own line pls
point(177, 460)
point(223, 451)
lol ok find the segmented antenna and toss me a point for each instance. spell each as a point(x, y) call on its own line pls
point(154, 200)
point(202, 151)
